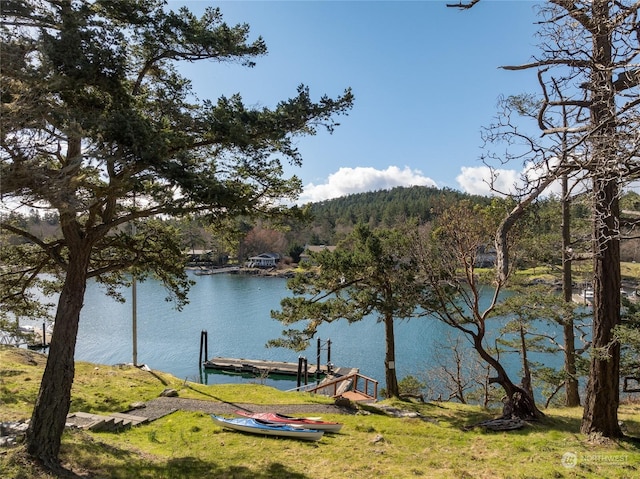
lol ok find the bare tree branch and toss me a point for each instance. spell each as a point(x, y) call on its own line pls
point(463, 5)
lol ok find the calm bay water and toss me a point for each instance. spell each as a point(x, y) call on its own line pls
point(235, 311)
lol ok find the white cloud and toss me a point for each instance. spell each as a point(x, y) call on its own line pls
point(477, 180)
point(471, 180)
point(347, 181)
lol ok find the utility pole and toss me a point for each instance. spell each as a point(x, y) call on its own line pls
point(134, 302)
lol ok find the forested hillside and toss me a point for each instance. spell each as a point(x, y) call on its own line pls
point(333, 219)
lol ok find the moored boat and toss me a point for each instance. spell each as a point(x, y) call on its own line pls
point(256, 426)
point(307, 422)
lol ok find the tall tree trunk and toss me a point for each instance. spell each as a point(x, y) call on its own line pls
point(390, 358)
point(602, 394)
point(603, 388)
point(52, 405)
point(572, 396)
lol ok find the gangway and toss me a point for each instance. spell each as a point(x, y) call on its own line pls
point(354, 386)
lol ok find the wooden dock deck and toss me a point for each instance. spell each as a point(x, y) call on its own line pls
point(263, 366)
point(336, 381)
point(260, 366)
point(32, 339)
point(38, 341)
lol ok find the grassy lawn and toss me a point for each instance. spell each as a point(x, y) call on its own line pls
point(370, 445)
point(582, 272)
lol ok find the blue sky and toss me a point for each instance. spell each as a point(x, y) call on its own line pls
point(426, 79)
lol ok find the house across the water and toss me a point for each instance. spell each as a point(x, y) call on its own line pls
point(264, 260)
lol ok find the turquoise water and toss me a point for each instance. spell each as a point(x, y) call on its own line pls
point(235, 312)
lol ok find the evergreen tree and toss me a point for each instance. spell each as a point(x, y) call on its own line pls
point(99, 126)
point(369, 272)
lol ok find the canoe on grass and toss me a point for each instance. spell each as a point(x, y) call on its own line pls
point(255, 426)
point(307, 422)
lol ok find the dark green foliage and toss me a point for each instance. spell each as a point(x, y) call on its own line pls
point(411, 385)
point(95, 114)
point(295, 251)
point(628, 333)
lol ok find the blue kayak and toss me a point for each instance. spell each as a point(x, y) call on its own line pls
point(256, 426)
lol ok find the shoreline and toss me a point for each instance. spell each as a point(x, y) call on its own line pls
point(265, 272)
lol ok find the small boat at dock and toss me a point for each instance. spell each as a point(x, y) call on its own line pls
point(307, 422)
point(256, 426)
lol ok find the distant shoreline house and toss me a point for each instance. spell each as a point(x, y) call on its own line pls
point(199, 255)
point(263, 260)
point(205, 257)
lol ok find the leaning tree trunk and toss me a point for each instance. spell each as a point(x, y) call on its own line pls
point(390, 359)
point(518, 402)
point(52, 405)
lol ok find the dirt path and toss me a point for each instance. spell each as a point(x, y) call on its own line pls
point(159, 407)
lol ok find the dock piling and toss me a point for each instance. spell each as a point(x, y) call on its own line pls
point(299, 376)
point(203, 346)
point(303, 371)
point(318, 356)
point(318, 359)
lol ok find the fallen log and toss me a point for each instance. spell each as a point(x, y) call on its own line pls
point(500, 424)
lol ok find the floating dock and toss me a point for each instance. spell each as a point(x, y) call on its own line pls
point(335, 382)
point(261, 366)
point(264, 367)
point(32, 338)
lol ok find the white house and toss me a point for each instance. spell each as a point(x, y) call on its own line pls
point(264, 260)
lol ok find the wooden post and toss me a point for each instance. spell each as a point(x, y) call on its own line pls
point(299, 375)
point(318, 360)
point(44, 335)
point(203, 346)
point(306, 372)
point(134, 317)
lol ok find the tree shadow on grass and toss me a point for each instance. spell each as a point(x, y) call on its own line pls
point(565, 423)
point(132, 466)
point(192, 467)
point(119, 463)
point(189, 467)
